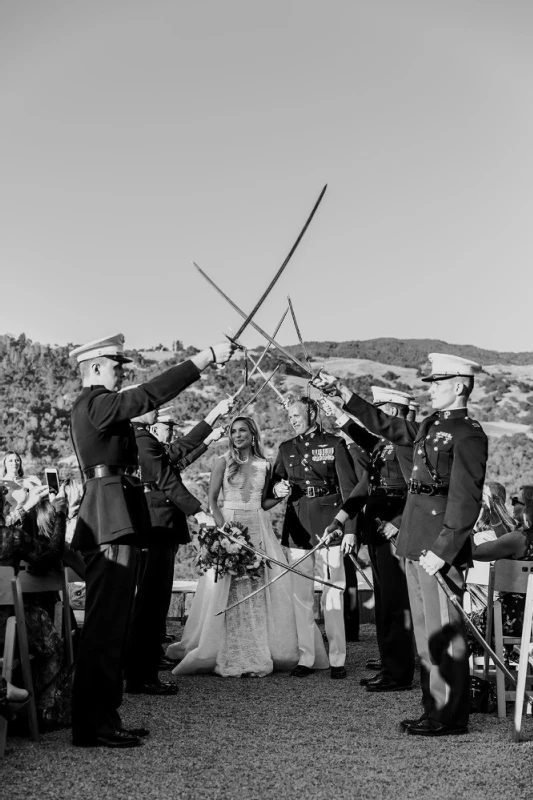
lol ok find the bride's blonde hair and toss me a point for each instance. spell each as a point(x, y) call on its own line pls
point(233, 462)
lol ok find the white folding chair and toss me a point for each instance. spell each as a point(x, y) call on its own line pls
point(11, 595)
point(516, 577)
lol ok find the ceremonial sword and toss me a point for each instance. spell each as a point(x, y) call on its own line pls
point(360, 570)
point(265, 382)
point(261, 357)
point(275, 388)
point(454, 600)
point(299, 335)
point(248, 319)
point(254, 325)
point(286, 570)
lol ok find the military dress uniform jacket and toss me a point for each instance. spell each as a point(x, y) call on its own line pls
point(316, 461)
point(449, 454)
point(186, 449)
point(113, 509)
point(169, 500)
point(382, 491)
point(360, 459)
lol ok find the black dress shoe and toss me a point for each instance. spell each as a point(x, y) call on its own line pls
point(165, 663)
point(338, 673)
point(430, 727)
point(113, 739)
point(406, 723)
point(374, 663)
point(301, 671)
point(154, 688)
point(386, 684)
point(372, 679)
point(139, 732)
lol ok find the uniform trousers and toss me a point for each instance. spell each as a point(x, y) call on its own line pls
point(110, 577)
point(150, 611)
point(394, 629)
point(329, 565)
point(351, 601)
point(446, 701)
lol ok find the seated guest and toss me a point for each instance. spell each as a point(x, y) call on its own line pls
point(39, 540)
point(494, 520)
point(514, 544)
point(11, 699)
point(518, 511)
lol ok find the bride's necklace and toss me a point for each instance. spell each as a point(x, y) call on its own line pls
point(240, 460)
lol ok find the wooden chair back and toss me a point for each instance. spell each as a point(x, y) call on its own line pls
point(11, 594)
point(516, 577)
point(55, 580)
point(511, 575)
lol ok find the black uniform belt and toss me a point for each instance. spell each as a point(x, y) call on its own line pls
point(417, 487)
point(150, 486)
point(387, 491)
point(103, 471)
point(313, 491)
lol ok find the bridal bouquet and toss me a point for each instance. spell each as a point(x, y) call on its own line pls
point(217, 552)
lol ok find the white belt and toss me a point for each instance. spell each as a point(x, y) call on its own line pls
point(241, 507)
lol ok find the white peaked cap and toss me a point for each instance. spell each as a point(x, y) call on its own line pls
point(165, 414)
point(443, 365)
point(112, 346)
point(382, 394)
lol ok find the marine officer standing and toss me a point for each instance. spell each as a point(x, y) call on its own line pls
point(112, 519)
point(379, 500)
point(444, 500)
point(315, 472)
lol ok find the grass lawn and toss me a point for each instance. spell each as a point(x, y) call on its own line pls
point(278, 738)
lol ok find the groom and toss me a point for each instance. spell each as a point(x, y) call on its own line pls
point(316, 473)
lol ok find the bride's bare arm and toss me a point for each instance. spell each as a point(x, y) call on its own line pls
point(269, 502)
point(215, 485)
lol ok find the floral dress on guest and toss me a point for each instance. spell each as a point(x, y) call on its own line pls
point(51, 677)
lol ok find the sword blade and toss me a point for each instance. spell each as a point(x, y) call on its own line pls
point(254, 396)
point(256, 364)
point(251, 315)
point(260, 371)
point(360, 570)
point(252, 323)
point(270, 582)
point(297, 329)
point(454, 600)
point(262, 554)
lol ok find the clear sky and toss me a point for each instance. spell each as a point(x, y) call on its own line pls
point(138, 135)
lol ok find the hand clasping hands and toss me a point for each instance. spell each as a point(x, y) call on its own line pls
point(282, 489)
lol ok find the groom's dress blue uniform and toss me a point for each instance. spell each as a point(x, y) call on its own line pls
point(112, 522)
point(321, 475)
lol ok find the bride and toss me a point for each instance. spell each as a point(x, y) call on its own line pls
point(259, 635)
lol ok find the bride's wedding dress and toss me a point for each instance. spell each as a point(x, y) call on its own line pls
point(260, 634)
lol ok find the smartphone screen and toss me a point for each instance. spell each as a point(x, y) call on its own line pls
point(51, 477)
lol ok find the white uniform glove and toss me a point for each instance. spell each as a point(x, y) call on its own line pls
point(205, 520)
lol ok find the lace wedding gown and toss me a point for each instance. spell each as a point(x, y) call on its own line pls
point(260, 634)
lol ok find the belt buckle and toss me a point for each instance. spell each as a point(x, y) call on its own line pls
point(415, 487)
point(311, 492)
